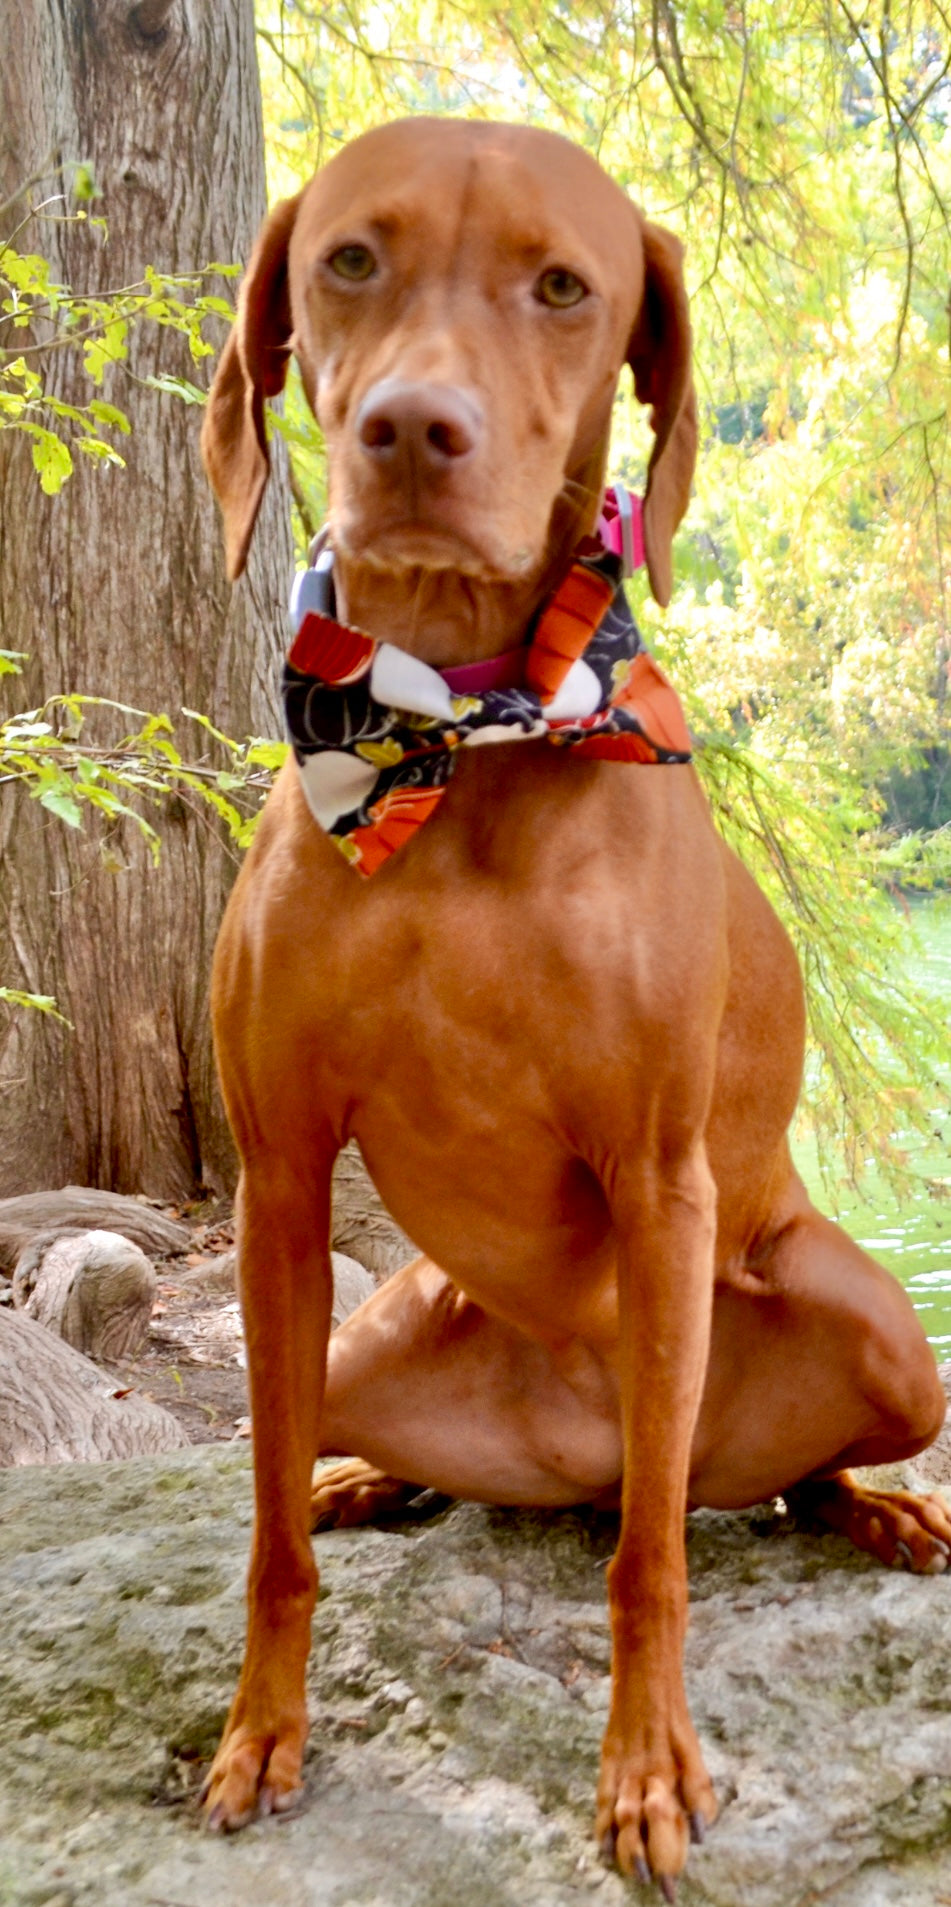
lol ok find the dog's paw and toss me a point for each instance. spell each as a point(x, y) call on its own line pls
point(901, 1529)
point(648, 1814)
point(907, 1531)
point(253, 1775)
point(351, 1492)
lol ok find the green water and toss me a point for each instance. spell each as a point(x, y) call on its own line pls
point(911, 1236)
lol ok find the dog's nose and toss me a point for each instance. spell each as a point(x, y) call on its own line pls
point(432, 425)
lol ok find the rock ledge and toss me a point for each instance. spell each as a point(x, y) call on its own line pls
point(459, 1688)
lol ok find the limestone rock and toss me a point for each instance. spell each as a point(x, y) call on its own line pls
point(458, 1686)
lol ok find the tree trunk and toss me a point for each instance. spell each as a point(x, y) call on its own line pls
point(116, 587)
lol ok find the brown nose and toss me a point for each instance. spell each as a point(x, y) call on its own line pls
point(431, 426)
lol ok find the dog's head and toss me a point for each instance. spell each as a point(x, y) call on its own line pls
point(461, 298)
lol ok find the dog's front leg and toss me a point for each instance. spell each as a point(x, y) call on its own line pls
point(654, 1790)
point(286, 1288)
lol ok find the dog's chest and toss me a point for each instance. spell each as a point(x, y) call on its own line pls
point(518, 936)
point(458, 1079)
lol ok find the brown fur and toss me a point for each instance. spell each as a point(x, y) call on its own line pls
point(563, 1023)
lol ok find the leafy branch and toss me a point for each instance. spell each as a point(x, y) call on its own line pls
point(45, 752)
point(868, 1030)
point(39, 317)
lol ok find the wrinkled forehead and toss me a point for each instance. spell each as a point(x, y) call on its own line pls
point(466, 187)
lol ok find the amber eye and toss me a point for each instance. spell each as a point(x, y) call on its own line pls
point(354, 262)
point(560, 288)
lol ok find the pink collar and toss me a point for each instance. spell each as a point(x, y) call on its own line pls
point(499, 672)
point(620, 528)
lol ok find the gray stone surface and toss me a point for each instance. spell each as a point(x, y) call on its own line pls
point(458, 1690)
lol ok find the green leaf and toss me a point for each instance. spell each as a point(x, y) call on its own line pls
point(156, 725)
point(271, 755)
point(85, 188)
point(177, 387)
point(27, 271)
point(61, 802)
point(38, 1002)
point(109, 414)
point(110, 348)
point(52, 460)
point(98, 448)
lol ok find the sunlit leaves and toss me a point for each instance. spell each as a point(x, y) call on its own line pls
point(38, 1002)
point(38, 319)
point(57, 764)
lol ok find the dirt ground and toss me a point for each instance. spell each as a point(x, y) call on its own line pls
point(194, 1363)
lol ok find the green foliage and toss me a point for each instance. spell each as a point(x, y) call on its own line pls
point(39, 1002)
point(872, 1034)
point(46, 752)
point(132, 776)
point(39, 318)
point(129, 778)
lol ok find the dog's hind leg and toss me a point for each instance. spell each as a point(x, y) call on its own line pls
point(353, 1491)
point(431, 1392)
point(818, 1363)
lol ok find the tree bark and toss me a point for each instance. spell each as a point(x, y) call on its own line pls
point(361, 1226)
point(94, 1289)
point(44, 1214)
point(116, 587)
point(57, 1407)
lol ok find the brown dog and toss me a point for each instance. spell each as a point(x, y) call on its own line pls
point(562, 1022)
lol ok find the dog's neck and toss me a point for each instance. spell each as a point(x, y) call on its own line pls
point(444, 617)
point(457, 618)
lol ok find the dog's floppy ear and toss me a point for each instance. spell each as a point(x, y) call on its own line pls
point(253, 366)
point(659, 356)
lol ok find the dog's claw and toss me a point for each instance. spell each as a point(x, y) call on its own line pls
point(698, 1828)
point(668, 1887)
point(903, 1558)
point(216, 1820)
point(285, 1800)
point(938, 1563)
point(642, 1871)
point(606, 1849)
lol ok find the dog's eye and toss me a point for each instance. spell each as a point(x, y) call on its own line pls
point(353, 262)
point(560, 288)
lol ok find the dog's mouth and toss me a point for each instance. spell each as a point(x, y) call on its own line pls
point(396, 542)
